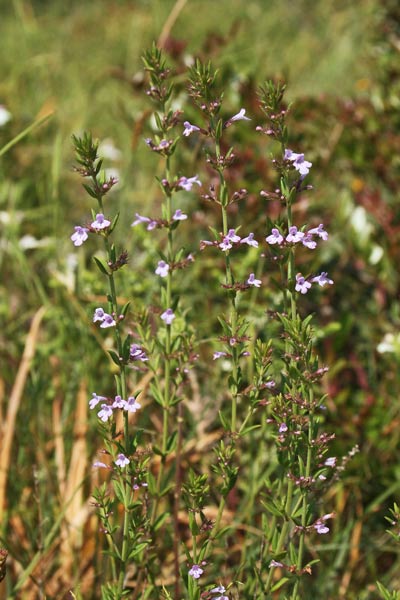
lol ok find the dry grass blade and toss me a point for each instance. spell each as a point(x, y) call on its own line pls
point(15, 401)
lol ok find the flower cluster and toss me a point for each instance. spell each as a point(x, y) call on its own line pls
point(107, 407)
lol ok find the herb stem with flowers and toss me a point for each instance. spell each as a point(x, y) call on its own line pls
point(278, 385)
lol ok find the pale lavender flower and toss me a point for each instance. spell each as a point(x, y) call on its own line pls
point(80, 235)
point(275, 237)
point(189, 128)
point(195, 571)
point(321, 528)
point(270, 384)
point(151, 223)
point(162, 268)
point(132, 405)
point(179, 215)
point(300, 164)
point(140, 219)
point(240, 116)
point(137, 353)
point(118, 402)
point(186, 183)
point(99, 465)
point(294, 235)
point(122, 461)
point(98, 315)
point(249, 240)
point(319, 231)
point(219, 590)
point(283, 428)
point(108, 321)
point(322, 279)
point(302, 285)
point(105, 413)
point(331, 461)
point(168, 316)
point(231, 237)
point(105, 319)
point(253, 281)
point(100, 222)
point(219, 354)
point(275, 563)
point(93, 402)
point(309, 242)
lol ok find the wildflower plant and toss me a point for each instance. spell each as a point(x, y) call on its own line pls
point(273, 406)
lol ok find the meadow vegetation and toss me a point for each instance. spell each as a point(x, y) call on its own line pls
point(208, 448)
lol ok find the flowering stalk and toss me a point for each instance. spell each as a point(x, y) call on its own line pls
point(118, 448)
point(300, 447)
point(174, 349)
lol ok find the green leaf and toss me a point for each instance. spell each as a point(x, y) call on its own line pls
point(115, 357)
point(279, 584)
point(102, 265)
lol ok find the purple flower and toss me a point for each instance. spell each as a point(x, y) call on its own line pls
point(168, 316)
point(331, 461)
point(98, 315)
point(108, 321)
point(162, 268)
point(309, 242)
point(300, 164)
point(195, 571)
point(270, 384)
point(105, 319)
point(151, 224)
point(321, 528)
point(100, 222)
point(219, 354)
point(189, 128)
point(219, 590)
point(122, 461)
point(105, 413)
point(118, 402)
point(294, 235)
point(249, 240)
point(132, 405)
point(231, 237)
point(322, 279)
point(99, 465)
point(80, 235)
point(275, 237)
point(302, 285)
point(186, 183)
point(283, 428)
point(253, 281)
point(240, 116)
point(319, 231)
point(179, 215)
point(137, 353)
point(275, 563)
point(93, 402)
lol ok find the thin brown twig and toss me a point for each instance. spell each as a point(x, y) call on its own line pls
point(170, 22)
point(15, 401)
